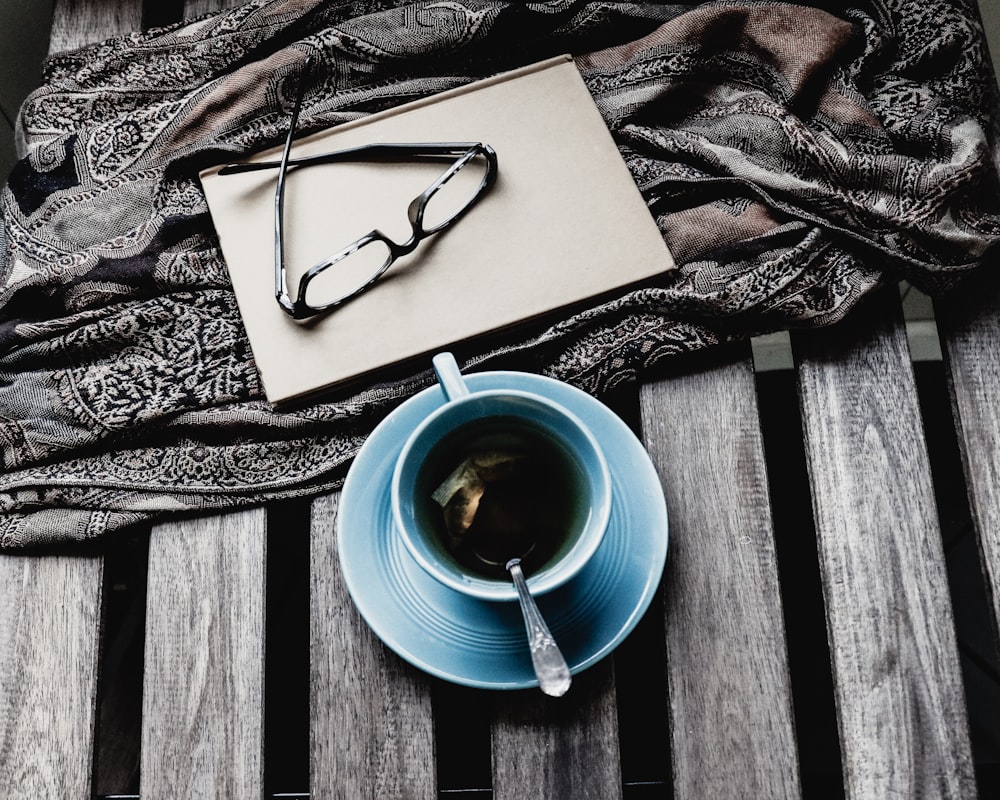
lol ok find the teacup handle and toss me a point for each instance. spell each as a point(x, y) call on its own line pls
point(449, 376)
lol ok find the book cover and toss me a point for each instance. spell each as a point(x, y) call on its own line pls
point(563, 223)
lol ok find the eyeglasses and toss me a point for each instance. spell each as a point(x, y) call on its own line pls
point(366, 259)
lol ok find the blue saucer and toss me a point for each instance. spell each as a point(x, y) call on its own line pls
point(481, 643)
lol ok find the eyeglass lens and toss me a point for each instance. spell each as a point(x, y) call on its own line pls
point(348, 273)
point(461, 184)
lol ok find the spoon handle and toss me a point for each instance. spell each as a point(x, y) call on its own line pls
point(550, 666)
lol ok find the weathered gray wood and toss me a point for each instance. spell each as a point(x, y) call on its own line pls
point(79, 22)
point(969, 324)
point(49, 633)
point(371, 729)
point(732, 730)
point(203, 692)
point(559, 749)
point(898, 686)
point(51, 612)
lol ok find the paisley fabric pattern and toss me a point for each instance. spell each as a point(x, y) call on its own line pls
point(795, 158)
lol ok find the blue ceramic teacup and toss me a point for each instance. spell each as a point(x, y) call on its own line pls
point(564, 467)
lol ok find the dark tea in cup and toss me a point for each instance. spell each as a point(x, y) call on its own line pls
point(498, 489)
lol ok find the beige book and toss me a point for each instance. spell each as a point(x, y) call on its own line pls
point(563, 224)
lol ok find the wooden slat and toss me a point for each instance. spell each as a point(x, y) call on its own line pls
point(732, 730)
point(969, 324)
point(371, 725)
point(898, 686)
point(51, 612)
point(79, 22)
point(49, 634)
point(203, 692)
point(559, 749)
point(203, 688)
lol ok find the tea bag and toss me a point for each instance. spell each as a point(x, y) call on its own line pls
point(461, 494)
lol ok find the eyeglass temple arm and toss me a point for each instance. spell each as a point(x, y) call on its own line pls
point(280, 281)
point(377, 151)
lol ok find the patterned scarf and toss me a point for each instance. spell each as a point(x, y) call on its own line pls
point(794, 158)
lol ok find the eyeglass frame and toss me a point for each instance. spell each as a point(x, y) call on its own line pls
point(464, 152)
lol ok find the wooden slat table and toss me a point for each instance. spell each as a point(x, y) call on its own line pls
point(702, 690)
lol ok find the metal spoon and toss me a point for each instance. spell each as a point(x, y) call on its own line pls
point(546, 657)
point(550, 666)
